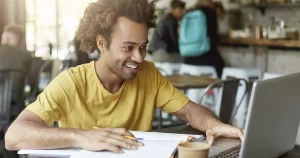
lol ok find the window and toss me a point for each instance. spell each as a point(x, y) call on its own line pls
point(51, 26)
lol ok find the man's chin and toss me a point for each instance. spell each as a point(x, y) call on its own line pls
point(130, 76)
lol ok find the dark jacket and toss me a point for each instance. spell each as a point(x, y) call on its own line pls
point(12, 58)
point(165, 35)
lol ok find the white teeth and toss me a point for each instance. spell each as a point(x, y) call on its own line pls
point(131, 66)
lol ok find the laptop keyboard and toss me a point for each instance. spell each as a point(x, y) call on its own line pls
point(234, 153)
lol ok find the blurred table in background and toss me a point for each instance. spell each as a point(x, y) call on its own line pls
point(184, 82)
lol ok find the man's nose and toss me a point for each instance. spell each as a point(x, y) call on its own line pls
point(137, 56)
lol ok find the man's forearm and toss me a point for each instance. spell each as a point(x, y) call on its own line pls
point(30, 135)
point(198, 116)
point(202, 118)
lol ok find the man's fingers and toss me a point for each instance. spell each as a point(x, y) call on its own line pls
point(113, 148)
point(123, 132)
point(120, 143)
point(129, 141)
point(124, 142)
point(210, 140)
point(119, 131)
point(224, 131)
point(209, 137)
point(212, 134)
point(240, 133)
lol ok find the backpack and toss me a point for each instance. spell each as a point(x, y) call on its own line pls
point(193, 39)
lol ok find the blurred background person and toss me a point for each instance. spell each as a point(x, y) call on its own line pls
point(212, 57)
point(14, 58)
point(164, 43)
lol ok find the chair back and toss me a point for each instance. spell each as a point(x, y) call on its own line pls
point(268, 75)
point(227, 95)
point(40, 69)
point(5, 98)
point(250, 75)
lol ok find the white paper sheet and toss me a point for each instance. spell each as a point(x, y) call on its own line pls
point(151, 149)
point(162, 136)
point(58, 152)
point(156, 145)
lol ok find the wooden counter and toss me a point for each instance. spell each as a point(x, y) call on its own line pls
point(263, 42)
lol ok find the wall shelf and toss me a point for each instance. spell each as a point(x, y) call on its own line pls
point(262, 42)
point(263, 7)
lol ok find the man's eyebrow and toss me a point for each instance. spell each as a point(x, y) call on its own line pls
point(134, 43)
point(146, 42)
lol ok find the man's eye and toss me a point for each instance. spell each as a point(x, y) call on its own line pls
point(144, 47)
point(127, 48)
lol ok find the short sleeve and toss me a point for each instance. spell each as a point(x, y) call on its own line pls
point(56, 101)
point(169, 99)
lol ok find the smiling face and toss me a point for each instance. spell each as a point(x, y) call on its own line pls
point(127, 49)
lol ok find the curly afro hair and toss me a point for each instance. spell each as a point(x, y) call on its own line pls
point(100, 17)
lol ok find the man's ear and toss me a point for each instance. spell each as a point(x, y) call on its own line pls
point(101, 43)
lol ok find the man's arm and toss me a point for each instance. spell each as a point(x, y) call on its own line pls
point(202, 119)
point(29, 131)
point(198, 116)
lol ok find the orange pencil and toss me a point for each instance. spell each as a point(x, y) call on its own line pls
point(129, 137)
point(125, 136)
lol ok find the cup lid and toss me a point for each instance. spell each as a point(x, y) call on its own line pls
point(193, 146)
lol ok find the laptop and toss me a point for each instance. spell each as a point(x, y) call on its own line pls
point(272, 121)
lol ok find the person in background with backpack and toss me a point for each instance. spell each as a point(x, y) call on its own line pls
point(164, 43)
point(201, 48)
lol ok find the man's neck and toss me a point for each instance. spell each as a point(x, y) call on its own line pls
point(111, 81)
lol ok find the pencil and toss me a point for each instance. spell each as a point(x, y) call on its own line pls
point(130, 137)
point(125, 136)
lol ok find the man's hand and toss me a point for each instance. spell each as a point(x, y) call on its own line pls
point(203, 119)
point(223, 130)
point(107, 139)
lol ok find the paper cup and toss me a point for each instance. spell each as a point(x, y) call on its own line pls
point(193, 150)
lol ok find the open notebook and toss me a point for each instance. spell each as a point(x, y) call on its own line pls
point(156, 145)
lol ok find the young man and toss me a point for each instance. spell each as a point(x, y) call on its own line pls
point(164, 44)
point(117, 93)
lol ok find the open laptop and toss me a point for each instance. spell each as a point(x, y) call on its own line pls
point(272, 121)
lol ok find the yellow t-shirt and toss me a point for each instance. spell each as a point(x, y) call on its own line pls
point(77, 99)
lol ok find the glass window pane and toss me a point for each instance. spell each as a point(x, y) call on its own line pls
point(42, 28)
